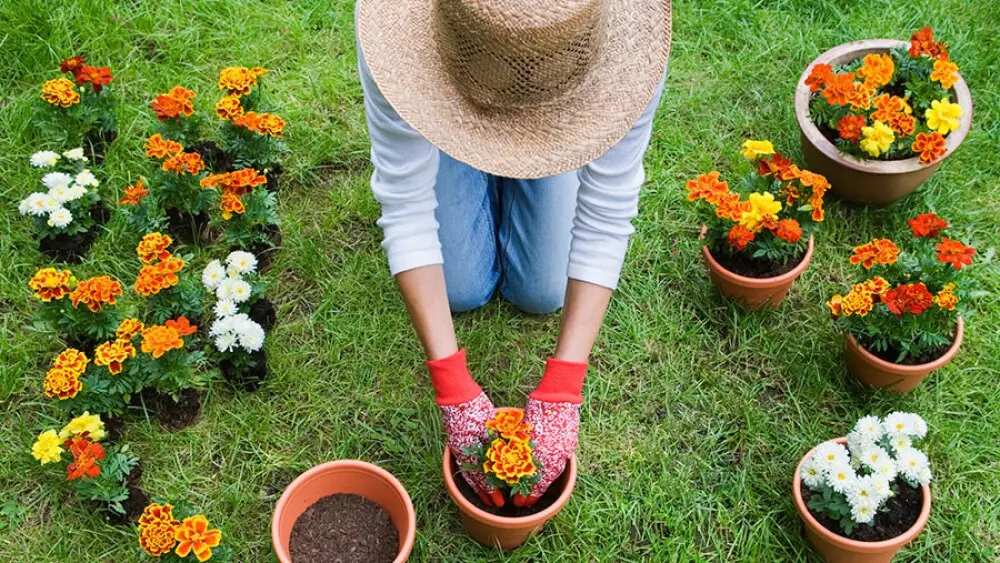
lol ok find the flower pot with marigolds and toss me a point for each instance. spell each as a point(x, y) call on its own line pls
point(248, 213)
point(176, 532)
point(507, 461)
point(877, 117)
point(904, 320)
point(79, 110)
point(759, 237)
point(174, 372)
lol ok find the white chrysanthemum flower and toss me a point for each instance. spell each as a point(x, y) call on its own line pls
point(869, 427)
point(911, 464)
point(873, 455)
point(54, 180)
point(251, 336)
point(924, 476)
point(919, 426)
point(899, 423)
point(900, 442)
point(35, 204)
point(857, 443)
point(87, 178)
point(811, 473)
point(242, 262)
point(885, 469)
point(60, 217)
point(44, 159)
point(866, 490)
point(225, 307)
point(841, 477)
point(75, 154)
point(238, 290)
point(225, 342)
point(829, 454)
point(61, 193)
point(213, 274)
point(75, 192)
point(863, 512)
point(882, 486)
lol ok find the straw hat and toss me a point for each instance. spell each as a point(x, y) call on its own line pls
point(517, 88)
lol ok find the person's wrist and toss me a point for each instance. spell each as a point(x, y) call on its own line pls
point(562, 382)
point(453, 384)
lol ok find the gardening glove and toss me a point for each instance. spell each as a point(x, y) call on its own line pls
point(465, 409)
point(553, 410)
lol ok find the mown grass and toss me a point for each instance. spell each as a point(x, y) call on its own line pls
point(696, 411)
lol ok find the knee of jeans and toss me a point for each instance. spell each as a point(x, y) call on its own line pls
point(462, 298)
point(537, 300)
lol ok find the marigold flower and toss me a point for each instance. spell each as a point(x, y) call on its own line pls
point(231, 204)
point(943, 116)
point(858, 303)
point(878, 251)
point(157, 340)
point(158, 539)
point(97, 77)
point(112, 355)
point(955, 253)
point(60, 92)
point(270, 124)
point(510, 425)
point(849, 127)
point(72, 65)
point(128, 329)
point(902, 124)
point(790, 192)
point(509, 461)
point(71, 359)
point(154, 278)
point(47, 447)
point(930, 146)
point(173, 104)
point(922, 43)
point(707, 187)
point(877, 286)
point(156, 513)
point(134, 194)
point(908, 298)
point(763, 210)
point(160, 148)
point(877, 139)
point(153, 247)
point(182, 326)
point(86, 454)
point(835, 304)
point(861, 97)
point(228, 107)
point(194, 536)
point(839, 89)
point(946, 298)
point(887, 105)
point(945, 72)
point(791, 172)
point(820, 76)
point(185, 162)
point(756, 149)
point(789, 231)
point(927, 225)
point(49, 284)
point(238, 80)
point(91, 424)
point(731, 207)
point(95, 293)
point(877, 69)
point(62, 383)
point(773, 166)
point(739, 236)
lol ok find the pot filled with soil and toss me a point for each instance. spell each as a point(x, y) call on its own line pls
point(904, 517)
point(266, 252)
point(881, 370)
point(755, 283)
point(262, 312)
point(216, 159)
point(347, 511)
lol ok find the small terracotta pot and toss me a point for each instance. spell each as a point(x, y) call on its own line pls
point(835, 548)
point(502, 531)
point(350, 477)
point(874, 371)
point(755, 293)
point(878, 182)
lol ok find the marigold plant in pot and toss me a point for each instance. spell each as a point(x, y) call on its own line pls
point(176, 190)
point(249, 213)
point(905, 320)
point(878, 117)
point(863, 502)
point(79, 111)
point(759, 238)
point(174, 533)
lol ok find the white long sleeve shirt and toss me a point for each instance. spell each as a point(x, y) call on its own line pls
point(406, 167)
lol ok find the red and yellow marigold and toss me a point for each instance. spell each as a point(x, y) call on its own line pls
point(509, 461)
point(97, 77)
point(60, 92)
point(71, 359)
point(153, 247)
point(878, 251)
point(154, 278)
point(849, 127)
point(159, 148)
point(228, 107)
point(193, 535)
point(86, 454)
point(184, 163)
point(946, 298)
point(510, 425)
point(263, 123)
point(173, 104)
point(51, 284)
point(156, 529)
point(62, 383)
point(134, 194)
point(95, 293)
point(922, 43)
point(930, 146)
point(238, 80)
point(112, 355)
point(128, 329)
point(819, 77)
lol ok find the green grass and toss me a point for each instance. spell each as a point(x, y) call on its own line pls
point(696, 411)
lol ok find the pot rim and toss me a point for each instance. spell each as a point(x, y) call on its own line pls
point(809, 129)
point(918, 369)
point(761, 283)
point(405, 545)
point(847, 543)
point(507, 522)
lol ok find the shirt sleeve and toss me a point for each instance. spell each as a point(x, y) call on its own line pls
point(406, 167)
point(607, 202)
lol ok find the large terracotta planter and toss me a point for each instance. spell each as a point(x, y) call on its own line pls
point(835, 548)
point(868, 181)
point(875, 371)
point(350, 477)
point(501, 531)
point(755, 293)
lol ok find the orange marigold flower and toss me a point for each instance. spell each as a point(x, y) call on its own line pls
point(134, 194)
point(153, 247)
point(270, 124)
point(908, 298)
point(856, 302)
point(927, 225)
point(154, 278)
point(850, 126)
point(128, 329)
point(839, 89)
point(157, 340)
point(946, 298)
point(158, 539)
point(835, 304)
point(49, 284)
point(194, 536)
point(231, 204)
point(790, 192)
point(878, 251)
point(173, 104)
point(62, 383)
point(887, 105)
point(877, 69)
point(73, 64)
point(707, 187)
point(930, 146)
point(510, 425)
point(955, 253)
point(237, 80)
point(95, 293)
point(861, 97)
point(86, 454)
point(97, 77)
point(732, 208)
point(60, 92)
point(156, 513)
point(903, 124)
point(775, 166)
point(71, 359)
point(945, 72)
point(922, 43)
point(789, 231)
point(112, 355)
point(249, 120)
point(820, 76)
point(228, 107)
point(185, 162)
point(739, 236)
point(790, 173)
point(509, 461)
point(182, 326)
point(160, 148)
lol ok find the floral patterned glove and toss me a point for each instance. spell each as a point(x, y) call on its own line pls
point(465, 409)
point(553, 410)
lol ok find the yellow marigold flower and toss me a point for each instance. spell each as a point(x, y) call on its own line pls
point(858, 303)
point(943, 116)
point(228, 107)
point(71, 359)
point(877, 139)
point(509, 461)
point(60, 92)
point(112, 355)
point(47, 447)
point(49, 284)
point(86, 422)
point(945, 72)
point(128, 329)
point(62, 383)
point(946, 298)
point(153, 247)
point(755, 149)
point(194, 536)
point(835, 304)
point(763, 210)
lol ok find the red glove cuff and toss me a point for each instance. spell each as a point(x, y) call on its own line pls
point(453, 384)
point(562, 382)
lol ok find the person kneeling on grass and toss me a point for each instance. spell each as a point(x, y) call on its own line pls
point(507, 140)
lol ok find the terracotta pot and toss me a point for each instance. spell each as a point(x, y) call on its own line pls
point(875, 371)
point(344, 476)
point(856, 180)
point(755, 293)
point(503, 531)
point(835, 548)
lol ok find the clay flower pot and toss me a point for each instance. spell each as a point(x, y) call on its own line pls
point(878, 182)
point(502, 531)
point(875, 371)
point(755, 293)
point(835, 548)
point(350, 477)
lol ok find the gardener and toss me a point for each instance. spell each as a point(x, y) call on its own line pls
point(507, 140)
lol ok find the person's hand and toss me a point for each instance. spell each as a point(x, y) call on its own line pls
point(553, 410)
point(465, 410)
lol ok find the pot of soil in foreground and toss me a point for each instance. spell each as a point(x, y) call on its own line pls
point(346, 511)
point(882, 371)
point(509, 526)
point(905, 516)
point(756, 284)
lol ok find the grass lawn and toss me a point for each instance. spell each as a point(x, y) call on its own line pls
point(696, 411)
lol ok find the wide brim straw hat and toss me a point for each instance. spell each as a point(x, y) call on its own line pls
point(517, 88)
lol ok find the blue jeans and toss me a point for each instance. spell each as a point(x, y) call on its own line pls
point(506, 234)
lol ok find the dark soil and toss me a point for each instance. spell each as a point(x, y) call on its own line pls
point(740, 263)
point(274, 177)
point(83, 344)
point(899, 515)
point(344, 528)
point(70, 249)
point(508, 509)
point(891, 355)
point(265, 253)
point(113, 427)
point(185, 228)
point(173, 415)
point(251, 379)
point(95, 144)
point(263, 313)
point(216, 159)
point(99, 213)
point(135, 503)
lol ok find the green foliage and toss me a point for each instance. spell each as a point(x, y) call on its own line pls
point(13, 515)
point(73, 125)
point(827, 501)
point(176, 370)
point(79, 323)
point(110, 487)
point(250, 229)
